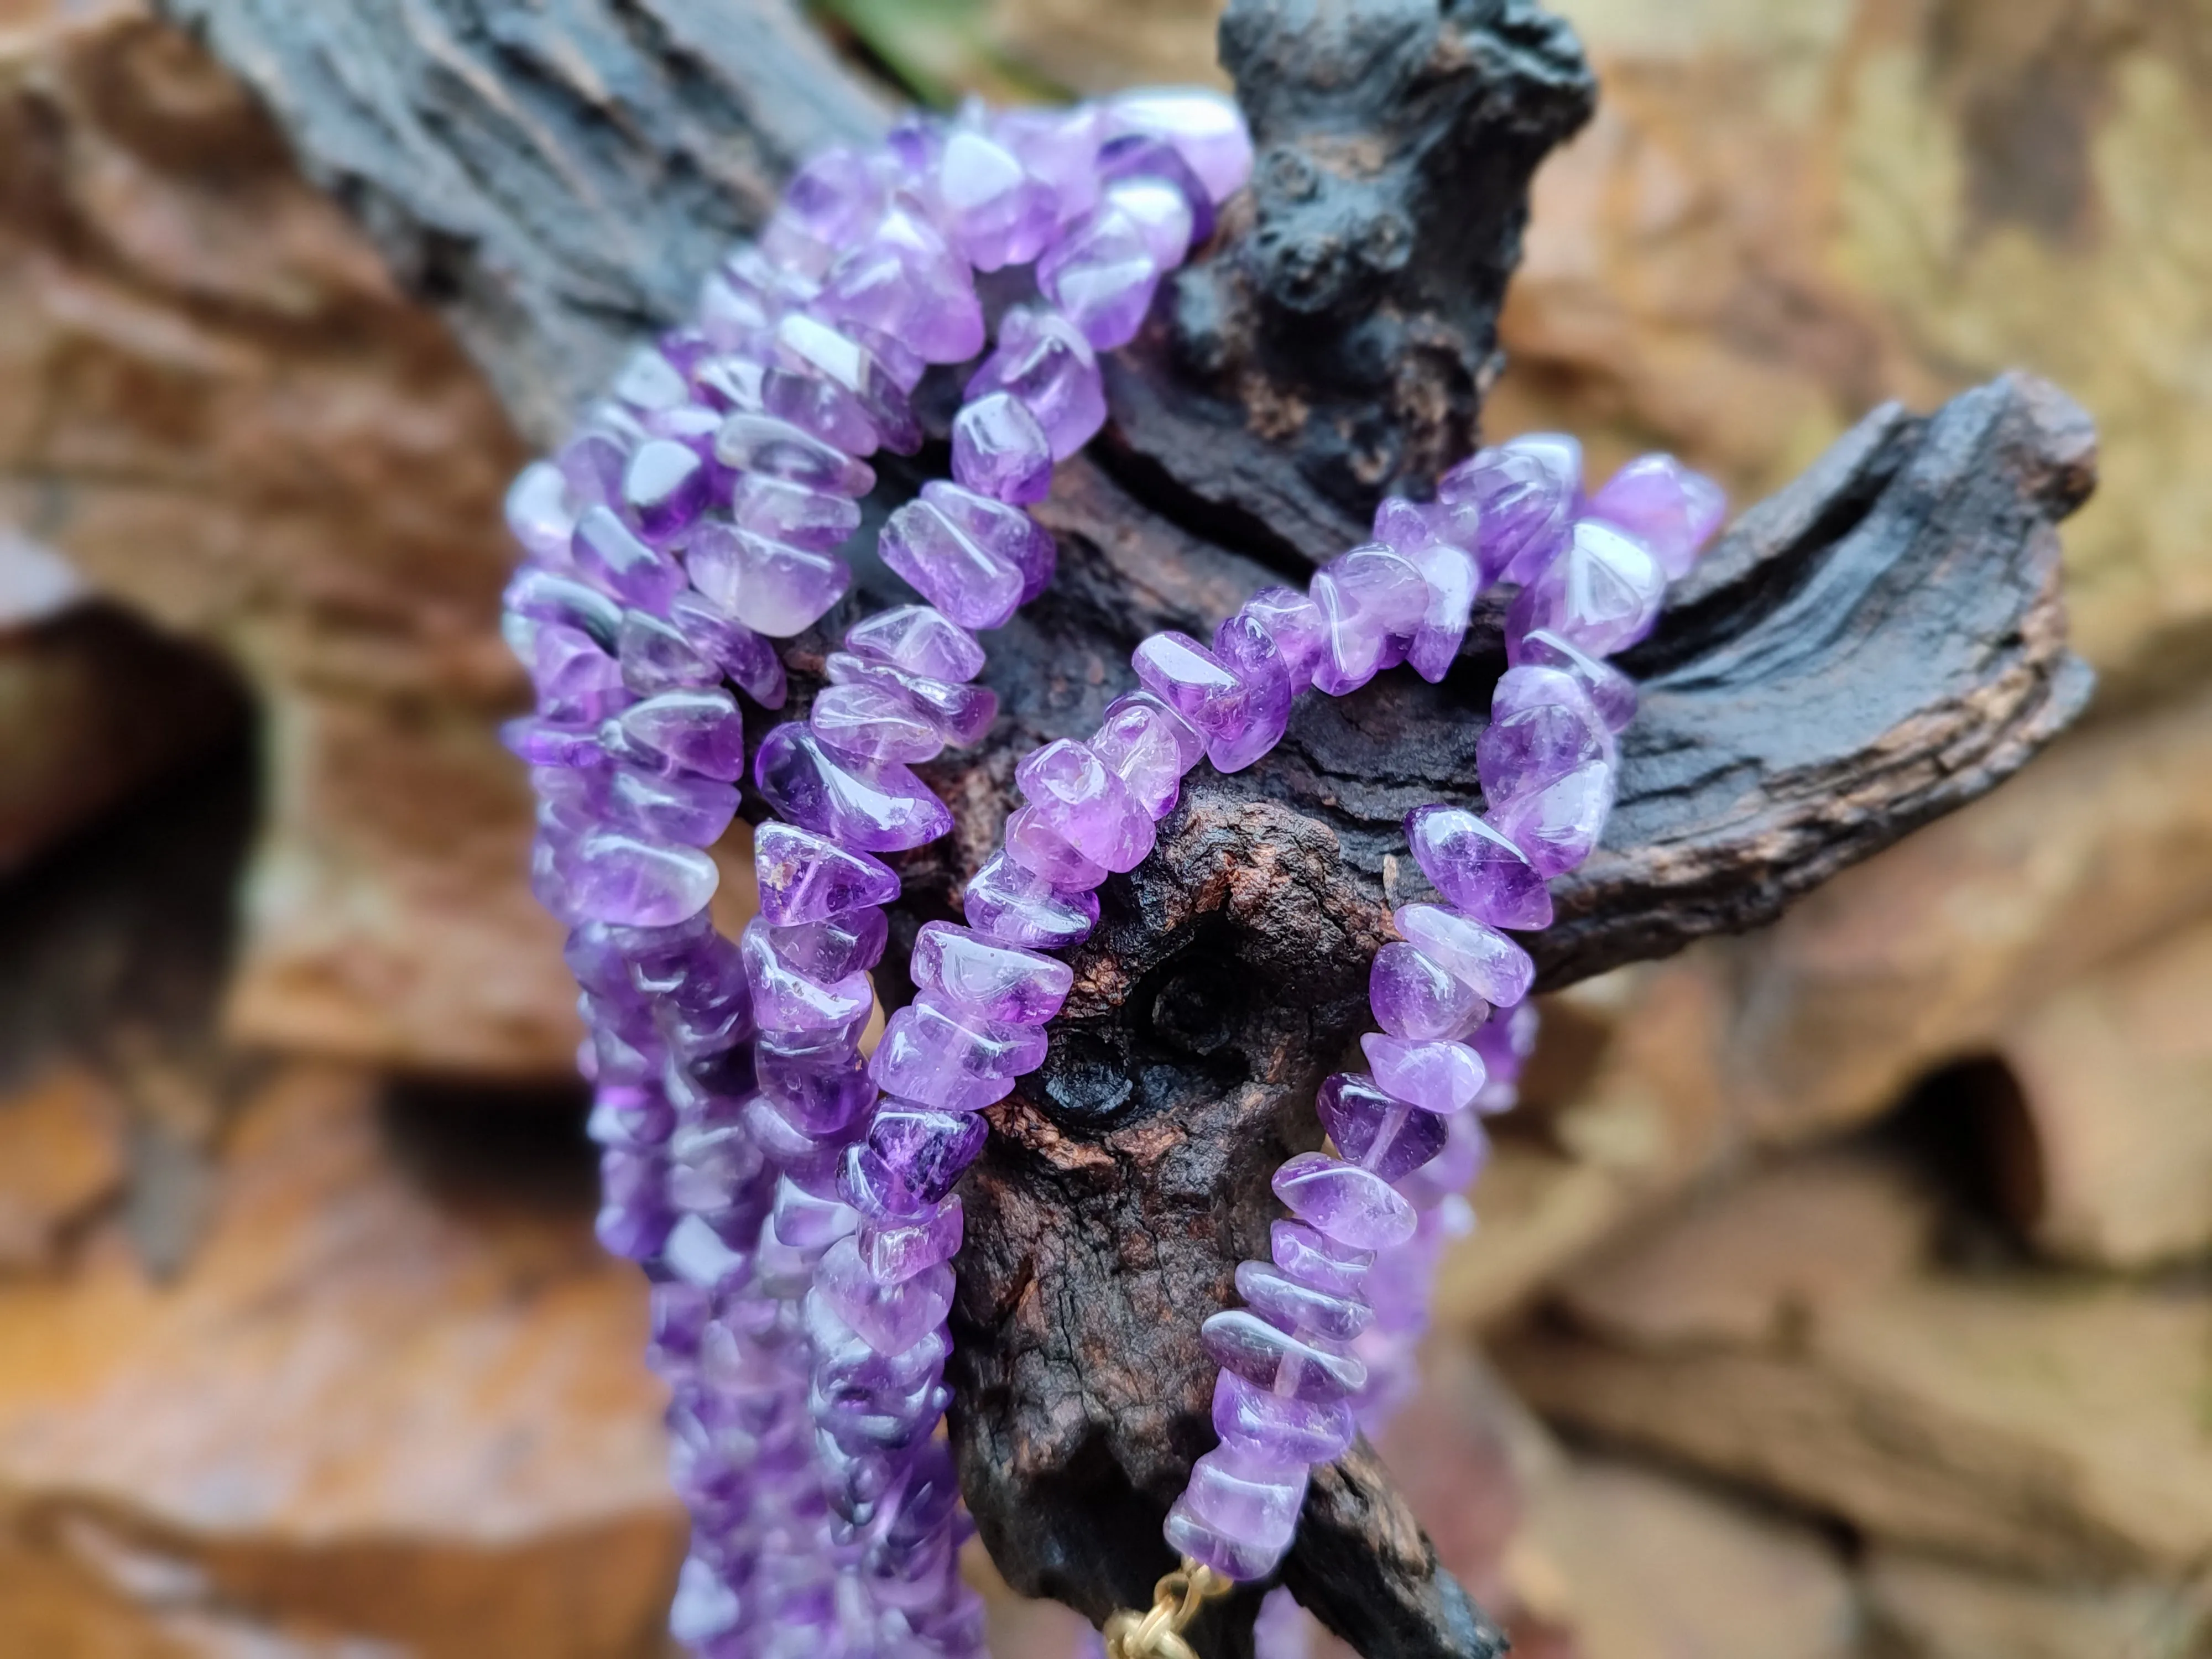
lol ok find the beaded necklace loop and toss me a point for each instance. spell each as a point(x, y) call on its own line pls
point(794, 1203)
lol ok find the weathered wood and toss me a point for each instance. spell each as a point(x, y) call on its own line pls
point(554, 174)
point(1880, 643)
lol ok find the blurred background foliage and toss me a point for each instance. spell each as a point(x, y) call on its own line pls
point(1842, 1290)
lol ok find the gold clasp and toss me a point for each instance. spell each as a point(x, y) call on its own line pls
point(1176, 1599)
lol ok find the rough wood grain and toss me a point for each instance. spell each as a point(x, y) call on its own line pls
point(556, 174)
point(1880, 643)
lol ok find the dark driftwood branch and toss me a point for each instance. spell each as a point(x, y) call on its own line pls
point(1876, 646)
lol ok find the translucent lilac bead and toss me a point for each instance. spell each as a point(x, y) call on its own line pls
point(1295, 624)
point(1000, 449)
point(1440, 1076)
point(1375, 1130)
point(1242, 1495)
point(656, 657)
point(1496, 969)
point(663, 488)
point(1000, 982)
point(604, 549)
point(1477, 869)
point(807, 877)
point(999, 213)
point(1149, 747)
point(890, 1318)
point(1205, 127)
point(881, 809)
point(1601, 592)
point(870, 724)
point(936, 1052)
point(1413, 996)
point(698, 728)
point(1542, 727)
point(919, 640)
point(1312, 1258)
point(1288, 1430)
point(1196, 683)
point(1301, 1310)
point(1611, 692)
point(743, 655)
point(785, 999)
point(1349, 1205)
point(959, 714)
point(1059, 146)
point(1371, 603)
point(1102, 276)
point(778, 510)
point(1043, 360)
point(773, 588)
point(1033, 843)
point(537, 511)
point(1005, 902)
point(1161, 213)
point(1241, 1341)
point(619, 878)
point(689, 809)
point(1247, 650)
point(1670, 509)
point(1525, 492)
point(972, 565)
point(777, 449)
point(895, 1253)
point(1083, 802)
point(1557, 824)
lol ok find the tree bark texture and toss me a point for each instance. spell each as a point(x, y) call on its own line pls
point(1878, 644)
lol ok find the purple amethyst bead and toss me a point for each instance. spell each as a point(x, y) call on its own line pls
point(1082, 801)
point(1441, 1076)
point(1205, 127)
point(918, 638)
point(881, 809)
point(807, 877)
point(1245, 647)
point(999, 982)
point(1602, 592)
point(1013, 905)
point(1287, 1429)
point(1412, 996)
point(1491, 965)
point(1611, 692)
point(1371, 604)
point(1043, 360)
point(1149, 747)
point(1000, 450)
point(1477, 869)
point(770, 586)
point(1102, 276)
point(1525, 491)
point(1670, 509)
point(1542, 727)
point(1375, 1131)
point(1350, 1204)
point(1557, 825)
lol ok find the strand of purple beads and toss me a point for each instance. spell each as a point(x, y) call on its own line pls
point(1590, 581)
point(1591, 578)
point(819, 1527)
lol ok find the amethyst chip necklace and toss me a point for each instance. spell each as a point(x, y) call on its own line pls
point(792, 1203)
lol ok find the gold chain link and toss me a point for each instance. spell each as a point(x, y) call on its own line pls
point(1176, 1599)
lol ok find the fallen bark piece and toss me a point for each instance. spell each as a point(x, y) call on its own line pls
point(2045, 1427)
point(1937, 1609)
point(377, 1405)
point(2115, 1073)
